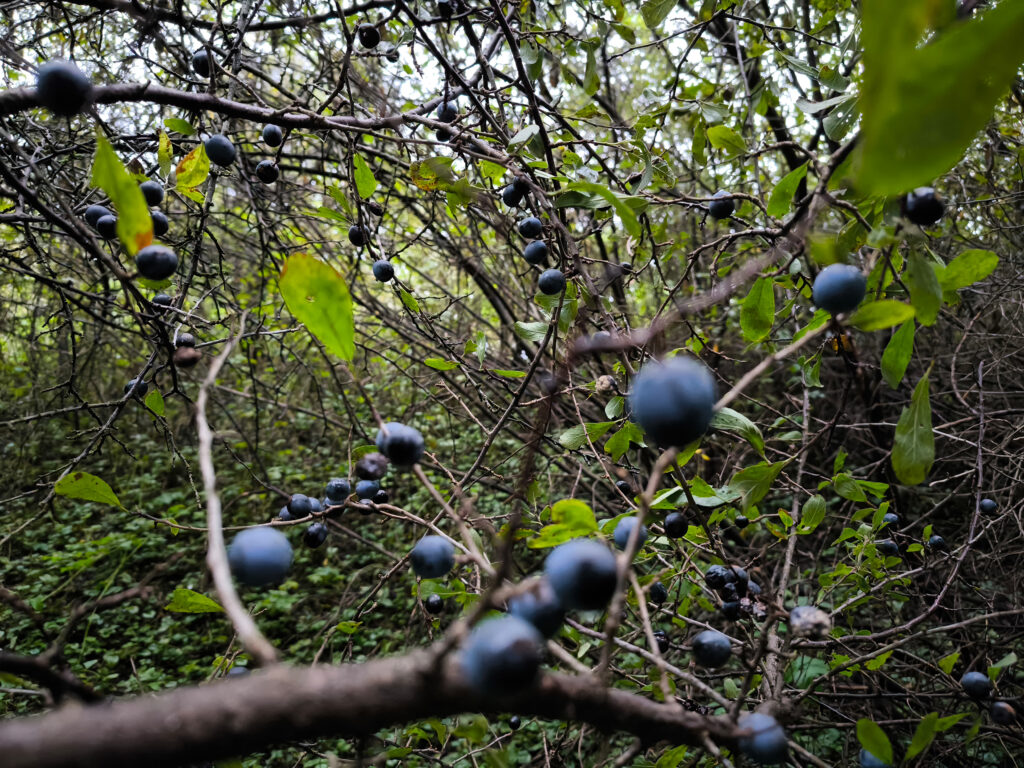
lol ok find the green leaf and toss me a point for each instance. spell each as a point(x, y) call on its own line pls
point(366, 184)
point(523, 136)
point(570, 519)
point(782, 195)
point(493, 172)
point(897, 354)
point(734, 421)
point(924, 102)
point(193, 169)
point(754, 482)
point(619, 443)
point(134, 224)
point(441, 365)
point(318, 297)
point(968, 268)
point(946, 663)
point(671, 758)
point(874, 740)
point(925, 291)
point(878, 662)
point(575, 513)
point(881, 314)
point(725, 138)
point(409, 300)
point(82, 485)
point(655, 12)
point(945, 723)
point(757, 310)
point(803, 669)
point(576, 437)
point(629, 220)
point(811, 514)
point(848, 488)
point(155, 401)
point(1007, 661)
point(534, 332)
point(700, 141)
point(184, 127)
point(924, 734)
point(187, 601)
point(914, 446)
point(509, 374)
point(591, 80)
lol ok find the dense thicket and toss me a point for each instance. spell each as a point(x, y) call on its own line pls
point(614, 124)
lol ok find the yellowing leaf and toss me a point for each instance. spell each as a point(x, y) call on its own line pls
point(193, 169)
point(187, 601)
point(163, 153)
point(134, 224)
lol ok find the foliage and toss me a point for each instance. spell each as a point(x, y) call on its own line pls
point(623, 119)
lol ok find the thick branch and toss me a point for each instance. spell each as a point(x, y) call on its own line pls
point(20, 99)
point(281, 704)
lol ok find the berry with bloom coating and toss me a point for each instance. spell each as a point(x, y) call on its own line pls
point(447, 111)
point(976, 685)
point(658, 593)
point(531, 227)
point(402, 444)
point(94, 213)
point(536, 253)
point(272, 135)
point(675, 525)
point(267, 171)
point(62, 88)
point(106, 226)
point(711, 649)
point(201, 63)
point(540, 606)
point(624, 529)
point(434, 604)
point(315, 535)
point(1002, 713)
point(367, 489)
point(721, 209)
point(502, 656)
point(432, 557)
point(674, 400)
point(153, 191)
point(764, 741)
point(156, 262)
point(220, 150)
point(260, 556)
point(583, 574)
point(839, 288)
point(160, 223)
point(383, 270)
point(338, 489)
point(551, 282)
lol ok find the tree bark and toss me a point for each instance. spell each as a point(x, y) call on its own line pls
point(238, 716)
